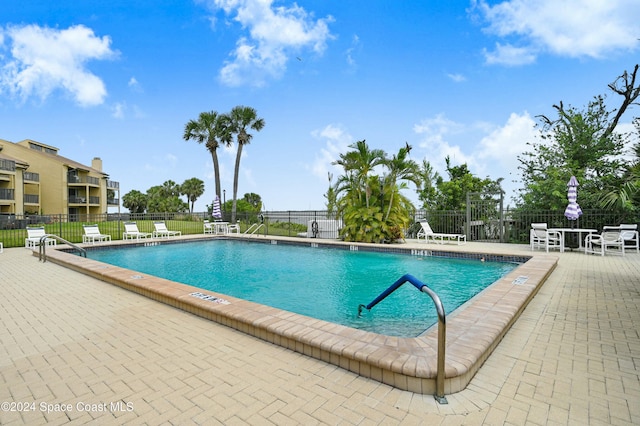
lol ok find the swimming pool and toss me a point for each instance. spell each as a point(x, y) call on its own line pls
point(322, 283)
point(472, 332)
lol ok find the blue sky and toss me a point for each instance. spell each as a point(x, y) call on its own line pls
point(120, 79)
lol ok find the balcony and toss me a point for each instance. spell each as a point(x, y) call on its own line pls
point(8, 165)
point(7, 194)
point(111, 184)
point(31, 199)
point(74, 179)
point(31, 177)
point(77, 200)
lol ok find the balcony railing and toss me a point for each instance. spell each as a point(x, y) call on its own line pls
point(111, 184)
point(73, 178)
point(77, 200)
point(113, 201)
point(7, 194)
point(31, 177)
point(94, 200)
point(8, 165)
point(31, 198)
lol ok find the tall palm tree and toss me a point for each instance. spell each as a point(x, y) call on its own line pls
point(213, 130)
point(193, 188)
point(242, 119)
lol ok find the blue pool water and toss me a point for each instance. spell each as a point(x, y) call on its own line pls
point(323, 283)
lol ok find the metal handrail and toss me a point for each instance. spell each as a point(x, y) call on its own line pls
point(442, 325)
point(253, 231)
point(42, 248)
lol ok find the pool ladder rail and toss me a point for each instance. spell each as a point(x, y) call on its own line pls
point(254, 228)
point(42, 248)
point(442, 325)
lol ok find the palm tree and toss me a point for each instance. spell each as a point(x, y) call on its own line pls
point(400, 167)
point(241, 119)
point(135, 201)
point(193, 188)
point(213, 130)
point(359, 163)
point(627, 194)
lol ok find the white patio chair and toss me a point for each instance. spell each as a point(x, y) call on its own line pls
point(162, 231)
point(34, 235)
point(233, 228)
point(92, 234)
point(630, 236)
point(541, 237)
point(609, 241)
point(208, 227)
point(131, 232)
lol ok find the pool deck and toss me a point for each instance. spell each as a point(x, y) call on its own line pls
point(572, 357)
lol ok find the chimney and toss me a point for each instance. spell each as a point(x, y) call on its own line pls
point(96, 163)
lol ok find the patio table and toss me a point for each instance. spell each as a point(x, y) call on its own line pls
point(221, 227)
point(578, 231)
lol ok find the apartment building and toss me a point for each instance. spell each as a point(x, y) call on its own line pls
point(36, 180)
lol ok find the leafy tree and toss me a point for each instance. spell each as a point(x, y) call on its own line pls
point(452, 194)
point(213, 130)
point(430, 179)
point(165, 198)
point(242, 119)
point(254, 200)
point(582, 143)
point(193, 189)
point(135, 201)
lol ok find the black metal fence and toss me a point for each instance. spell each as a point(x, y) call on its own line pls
point(513, 225)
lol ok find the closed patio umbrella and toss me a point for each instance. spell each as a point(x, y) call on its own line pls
point(573, 210)
point(217, 213)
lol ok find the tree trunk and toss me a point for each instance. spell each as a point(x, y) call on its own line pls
point(235, 183)
point(216, 170)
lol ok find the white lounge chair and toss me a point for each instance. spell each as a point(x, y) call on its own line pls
point(92, 234)
point(541, 237)
point(611, 240)
point(34, 235)
point(162, 231)
point(131, 232)
point(438, 237)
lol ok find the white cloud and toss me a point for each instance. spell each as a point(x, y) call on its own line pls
point(435, 134)
point(495, 155)
point(573, 28)
point(458, 78)
point(134, 85)
point(499, 150)
point(43, 60)
point(337, 142)
point(274, 34)
point(118, 110)
point(351, 62)
point(510, 55)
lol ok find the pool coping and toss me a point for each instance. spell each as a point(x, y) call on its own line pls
point(405, 363)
